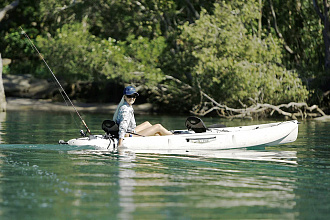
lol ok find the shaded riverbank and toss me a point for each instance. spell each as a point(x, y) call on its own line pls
point(25, 92)
point(19, 104)
point(27, 104)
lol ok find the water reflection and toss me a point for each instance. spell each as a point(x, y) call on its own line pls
point(150, 183)
point(127, 185)
point(289, 157)
point(183, 182)
point(2, 130)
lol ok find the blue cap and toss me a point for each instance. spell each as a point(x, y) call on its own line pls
point(130, 90)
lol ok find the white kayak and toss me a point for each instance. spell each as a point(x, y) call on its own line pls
point(212, 139)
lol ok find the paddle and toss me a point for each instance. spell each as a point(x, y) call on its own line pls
point(136, 134)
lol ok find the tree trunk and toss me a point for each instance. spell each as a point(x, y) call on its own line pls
point(3, 11)
point(3, 103)
point(326, 30)
point(7, 8)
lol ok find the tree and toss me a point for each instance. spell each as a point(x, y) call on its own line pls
point(3, 102)
point(3, 12)
point(296, 24)
point(324, 16)
point(232, 64)
point(12, 43)
point(301, 25)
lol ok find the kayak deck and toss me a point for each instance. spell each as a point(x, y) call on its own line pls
point(213, 139)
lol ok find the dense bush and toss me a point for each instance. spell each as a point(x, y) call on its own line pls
point(234, 64)
point(88, 57)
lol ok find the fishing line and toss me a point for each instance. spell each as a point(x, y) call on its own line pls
point(59, 84)
point(66, 103)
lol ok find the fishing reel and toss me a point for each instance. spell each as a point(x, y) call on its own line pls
point(82, 133)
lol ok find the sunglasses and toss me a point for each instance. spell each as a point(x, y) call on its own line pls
point(131, 96)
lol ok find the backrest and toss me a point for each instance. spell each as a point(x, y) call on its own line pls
point(196, 124)
point(110, 127)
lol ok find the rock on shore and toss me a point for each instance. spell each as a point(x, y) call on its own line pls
point(26, 86)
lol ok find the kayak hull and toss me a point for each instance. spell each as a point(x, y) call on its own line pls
point(213, 139)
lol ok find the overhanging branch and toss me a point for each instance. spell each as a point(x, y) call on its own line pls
point(291, 110)
point(279, 34)
point(9, 7)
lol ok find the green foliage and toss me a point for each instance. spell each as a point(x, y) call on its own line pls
point(72, 53)
point(234, 65)
point(12, 43)
point(146, 54)
point(107, 18)
point(134, 61)
point(222, 47)
point(301, 29)
point(18, 49)
point(75, 54)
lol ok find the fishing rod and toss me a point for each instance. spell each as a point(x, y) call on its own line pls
point(66, 95)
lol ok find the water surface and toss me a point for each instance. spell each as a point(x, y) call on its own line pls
point(40, 179)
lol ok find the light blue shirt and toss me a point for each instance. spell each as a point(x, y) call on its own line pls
point(126, 120)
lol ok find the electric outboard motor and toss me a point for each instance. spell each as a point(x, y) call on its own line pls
point(111, 128)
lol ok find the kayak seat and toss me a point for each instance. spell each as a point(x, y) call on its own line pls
point(196, 124)
point(111, 128)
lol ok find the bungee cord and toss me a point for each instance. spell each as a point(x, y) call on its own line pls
point(65, 97)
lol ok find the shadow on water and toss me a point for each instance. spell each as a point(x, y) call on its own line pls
point(289, 157)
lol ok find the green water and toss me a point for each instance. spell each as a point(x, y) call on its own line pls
point(40, 179)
